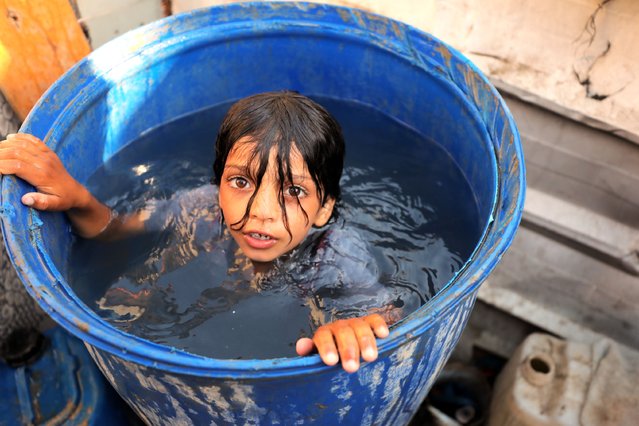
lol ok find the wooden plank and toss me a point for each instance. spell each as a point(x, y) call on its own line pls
point(39, 40)
point(565, 291)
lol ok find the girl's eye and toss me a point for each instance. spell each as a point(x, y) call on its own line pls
point(239, 182)
point(295, 191)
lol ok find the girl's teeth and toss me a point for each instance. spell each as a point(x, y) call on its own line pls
point(259, 236)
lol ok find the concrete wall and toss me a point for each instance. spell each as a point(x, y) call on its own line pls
point(107, 20)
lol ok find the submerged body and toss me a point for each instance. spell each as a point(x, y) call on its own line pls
point(196, 282)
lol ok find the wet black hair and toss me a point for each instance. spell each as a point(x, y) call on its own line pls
point(283, 120)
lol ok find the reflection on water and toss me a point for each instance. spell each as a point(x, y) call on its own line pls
point(408, 222)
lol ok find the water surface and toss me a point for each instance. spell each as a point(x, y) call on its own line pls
point(402, 195)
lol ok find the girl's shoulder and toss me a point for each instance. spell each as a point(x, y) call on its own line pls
point(341, 239)
point(336, 255)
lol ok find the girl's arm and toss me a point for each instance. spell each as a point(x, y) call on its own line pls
point(28, 158)
point(342, 252)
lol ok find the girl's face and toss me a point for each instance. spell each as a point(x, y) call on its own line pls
point(264, 237)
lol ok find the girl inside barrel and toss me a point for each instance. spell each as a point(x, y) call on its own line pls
point(275, 195)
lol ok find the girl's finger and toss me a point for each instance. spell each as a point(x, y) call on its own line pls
point(347, 345)
point(325, 345)
point(304, 346)
point(365, 338)
point(378, 324)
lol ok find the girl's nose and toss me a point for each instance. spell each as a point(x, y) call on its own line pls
point(265, 204)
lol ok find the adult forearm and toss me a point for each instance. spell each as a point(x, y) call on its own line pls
point(90, 217)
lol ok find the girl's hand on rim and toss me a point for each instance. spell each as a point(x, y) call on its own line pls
point(346, 340)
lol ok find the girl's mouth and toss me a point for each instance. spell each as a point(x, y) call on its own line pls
point(257, 240)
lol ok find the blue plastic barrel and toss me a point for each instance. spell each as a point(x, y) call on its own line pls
point(188, 62)
point(61, 387)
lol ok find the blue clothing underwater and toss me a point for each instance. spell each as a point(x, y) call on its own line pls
point(331, 275)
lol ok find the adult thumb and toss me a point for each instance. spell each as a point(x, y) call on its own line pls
point(40, 201)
